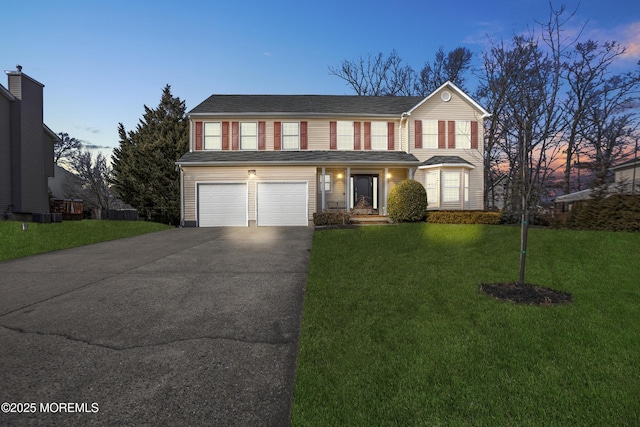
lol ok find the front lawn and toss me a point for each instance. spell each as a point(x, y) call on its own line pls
point(39, 238)
point(395, 331)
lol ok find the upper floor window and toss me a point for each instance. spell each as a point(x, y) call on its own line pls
point(430, 133)
point(463, 134)
point(345, 135)
point(291, 136)
point(248, 136)
point(378, 135)
point(213, 136)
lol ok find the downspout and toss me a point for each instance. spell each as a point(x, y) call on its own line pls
point(402, 116)
point(190, 136)
point(181, 196)
point(406, 115)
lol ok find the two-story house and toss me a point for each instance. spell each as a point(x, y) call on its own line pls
point(26, 150)
point(277, 159)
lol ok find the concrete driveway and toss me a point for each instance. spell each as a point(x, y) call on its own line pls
point(182, 327)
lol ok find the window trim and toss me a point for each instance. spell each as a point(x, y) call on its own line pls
point(242, 136)
point(435, 201)
point(345, 139)
point(426, 137)
point(384, 132)
point(444, 195)
point(204, 136)
point(328, 182)
point(461, 138)
point(283, 135)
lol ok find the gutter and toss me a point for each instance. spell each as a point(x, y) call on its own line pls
point(289, 114)
point(448, 165)
point(299, 163)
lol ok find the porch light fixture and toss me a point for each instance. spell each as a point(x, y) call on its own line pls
point(252, 173)
point(339, 176)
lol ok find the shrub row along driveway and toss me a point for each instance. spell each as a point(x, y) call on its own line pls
point(181, 327)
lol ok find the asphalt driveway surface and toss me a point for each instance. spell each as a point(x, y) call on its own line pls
point(182, 327)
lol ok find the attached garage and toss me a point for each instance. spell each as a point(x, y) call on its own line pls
point(282, 203)
point(223, 205)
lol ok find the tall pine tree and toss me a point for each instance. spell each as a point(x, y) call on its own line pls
point(144, 171)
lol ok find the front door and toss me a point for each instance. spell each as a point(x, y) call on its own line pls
point(363, 192)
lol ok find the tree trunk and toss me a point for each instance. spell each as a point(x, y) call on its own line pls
point(524, 233)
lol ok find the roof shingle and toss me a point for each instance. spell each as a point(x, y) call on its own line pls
point(312, 157)
point(306, 104)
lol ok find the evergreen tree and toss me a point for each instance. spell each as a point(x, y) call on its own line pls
point(144, 170)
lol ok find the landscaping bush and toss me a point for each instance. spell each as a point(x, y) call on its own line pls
point(535, 218)
point(463, 217)
point(331, 218)
point(614, 213)
point(408, 202)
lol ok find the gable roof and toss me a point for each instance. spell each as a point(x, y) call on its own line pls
point(311, 157)
point(310, 105)
point(460, 93)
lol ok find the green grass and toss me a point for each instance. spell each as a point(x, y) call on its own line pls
point(395, 331)
point(39, 238)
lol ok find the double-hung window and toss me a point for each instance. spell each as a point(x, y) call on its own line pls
point(450, 186)
point(463, 134)
point(379, 135)
point(345, 135)
point(466, 186)
point(430, 133)
point(432, 186)
point(327, 183)
point(212, 136)
point(248, 136)
point(290, 136)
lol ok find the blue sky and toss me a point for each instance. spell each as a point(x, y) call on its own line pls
point(102, 61)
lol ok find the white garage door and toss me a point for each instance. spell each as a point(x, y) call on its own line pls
point(282, 203)
point(222, 205)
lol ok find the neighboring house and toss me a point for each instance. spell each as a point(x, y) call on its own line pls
point(26, 150)
point(628, 173)
point(64, 184)
point(277, 159)
point(626, 181)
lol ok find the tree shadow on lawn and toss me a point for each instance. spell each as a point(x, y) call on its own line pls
point(523, 293)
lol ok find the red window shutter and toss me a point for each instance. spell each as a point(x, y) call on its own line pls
point(333, 135)
point(262, 138)
point(225, 135)
point(474, 135)
point(277, 136)
point(418, 131)
point(391, 136)
point(356, 135)
point(441, 134)
point(235, 135)
point(452, 134)
point(303, 136)
point(367, 135)
point(198, 135)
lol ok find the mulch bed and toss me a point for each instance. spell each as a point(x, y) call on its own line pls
point(525, 293)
